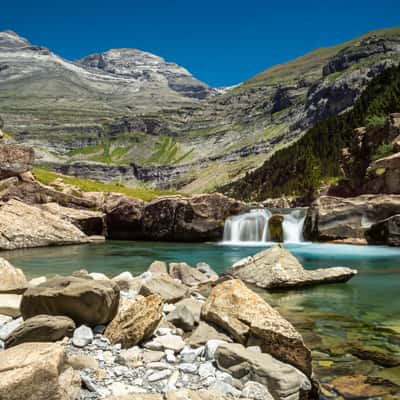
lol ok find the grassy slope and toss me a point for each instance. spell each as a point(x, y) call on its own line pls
point(90, 185)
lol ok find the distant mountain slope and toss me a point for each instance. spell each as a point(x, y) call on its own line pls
point(300, 168)
point(185, 143)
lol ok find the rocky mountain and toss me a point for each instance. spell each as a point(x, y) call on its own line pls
point(126, 134)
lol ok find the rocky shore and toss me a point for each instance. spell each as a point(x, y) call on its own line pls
point(174, 332)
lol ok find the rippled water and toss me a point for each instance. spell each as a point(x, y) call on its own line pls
point(365, 311)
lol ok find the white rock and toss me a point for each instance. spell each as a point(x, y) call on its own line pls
point(158, 365)
point(7, 329)
point(188, 368)
point(121, 389)
point(256, 391)
point(170, 356)
point(164, 331)
point(224, 377)
point(158, 376)
point(82, 336)
point(256, 349)
point(189, 355)
point(224, 388)
point(5, 319)
point(171, 342)
point(152, 356)
point(211, 348)
point(9, 305)
point(98, 276)
point(169, 308)
point(206, 370)
point(37, 281)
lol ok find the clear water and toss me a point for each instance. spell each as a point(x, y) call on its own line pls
point(365, 310)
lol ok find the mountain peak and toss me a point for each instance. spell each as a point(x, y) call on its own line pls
point(11, 40)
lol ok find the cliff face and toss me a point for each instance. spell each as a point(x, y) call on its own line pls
point(191, 144)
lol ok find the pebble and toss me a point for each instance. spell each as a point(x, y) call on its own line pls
point(82, 336)
point(206, 370)
point(152, 356)
point(189, 355)
point(157, 376)
point(170, 356)
point(188, 368)
point(224, 388)
point(171, 342)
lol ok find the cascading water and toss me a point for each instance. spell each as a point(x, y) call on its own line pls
point(253, 226)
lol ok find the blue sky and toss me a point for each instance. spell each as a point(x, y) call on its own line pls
point(220, 42)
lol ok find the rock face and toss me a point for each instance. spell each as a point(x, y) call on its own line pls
point(23, 226)
point(385, 232)
point(249, 319)
point(35, 371)
point(12, 280)
point(277, 268)
point(85, 301)
point(340, 218)
point(197, 218)
point(41, 328)
point(124, 216)
point(15, 160)
point(89, 222)
point(383, 175)
point(136, 323)
point(262, 368)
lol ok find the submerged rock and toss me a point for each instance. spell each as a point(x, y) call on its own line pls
point(250, 320)
point(86, 301)
point(277, 268)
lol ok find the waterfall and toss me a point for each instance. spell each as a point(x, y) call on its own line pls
point(253, 226)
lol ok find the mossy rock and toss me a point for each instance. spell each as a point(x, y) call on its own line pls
point(275, 228)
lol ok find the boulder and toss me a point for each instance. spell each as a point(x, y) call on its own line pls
point(125, 280)
point(249, 319)
point(196, 218)
point(37, 371)
point(193, 305)
point(275, 228)
point(15, 159)
point(85, 301)
point(41, 328)
point(182, 318)
point(383, 175)
point(123, 215)
point(10, 304)
point(89, 222)
point(169, 289)
point(385, 232)
point(158, 267)
point(340, 218)
point(24, 226)
point(136, 323)
point(187, 275)
point(12, 280)
point(277, 268)
point(283, 381)
point(207, 271)
point(204, 333)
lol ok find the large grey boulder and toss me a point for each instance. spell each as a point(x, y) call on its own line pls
point(283, 381)
point(277, 268)
point(249, 319)
point(88, 302)
point(12, 280)
point(188, 275)
point(24, 226)
point(385, 232)
point(41, 328)
point(35, 371)
point(205, 332)
point(15, 160)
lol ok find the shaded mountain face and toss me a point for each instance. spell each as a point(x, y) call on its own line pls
point(126, 107)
